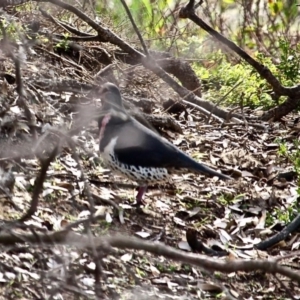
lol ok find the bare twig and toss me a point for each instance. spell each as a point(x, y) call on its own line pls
point(38, 186)
point(135, 27)
point(224, 97)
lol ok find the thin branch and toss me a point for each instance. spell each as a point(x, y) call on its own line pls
point(38, 186)
point(107, 243)
point(135, 27)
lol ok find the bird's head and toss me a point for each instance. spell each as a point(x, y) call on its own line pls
point(111, 97)
point(112, 103)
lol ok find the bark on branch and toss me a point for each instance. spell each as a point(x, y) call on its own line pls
point(107, 244)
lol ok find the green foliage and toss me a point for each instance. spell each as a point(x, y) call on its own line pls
point(218, 81)
point(226, 199)
point(193, 46)
point(286, 8)
point(149, 17)
point(292, 156)
point(12, 29)
point(285, 216)
point(253, 91)
point(64, 44)
point(289, 62)
point(282, 216)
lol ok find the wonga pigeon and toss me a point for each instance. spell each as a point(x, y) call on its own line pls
point(135, 151)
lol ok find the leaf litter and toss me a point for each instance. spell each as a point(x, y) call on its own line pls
point(231, 216)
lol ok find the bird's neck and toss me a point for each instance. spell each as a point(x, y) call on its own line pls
point(102, 125)
point(109, 123)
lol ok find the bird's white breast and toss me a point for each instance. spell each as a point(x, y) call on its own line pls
point(108, 151)
point(135, 173)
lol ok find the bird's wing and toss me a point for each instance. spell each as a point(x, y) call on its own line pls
point(138, 145)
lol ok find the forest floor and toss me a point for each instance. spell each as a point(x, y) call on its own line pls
point(231, 216)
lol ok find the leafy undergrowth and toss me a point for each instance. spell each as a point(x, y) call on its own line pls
point(232, 216)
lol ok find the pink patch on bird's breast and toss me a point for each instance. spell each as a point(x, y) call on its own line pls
point(103, 125)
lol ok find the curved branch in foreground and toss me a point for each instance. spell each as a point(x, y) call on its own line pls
point(107, 243)
point(38, 185)
point(267, 266)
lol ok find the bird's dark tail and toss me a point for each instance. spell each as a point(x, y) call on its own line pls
point(201, 168)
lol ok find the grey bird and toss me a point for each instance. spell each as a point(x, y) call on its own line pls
point(136, 152)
